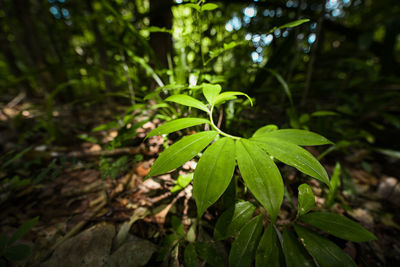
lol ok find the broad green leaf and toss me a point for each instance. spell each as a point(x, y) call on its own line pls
point(339, 226)
point(293, 155)
point(306, 199)
point(209, 6)
point(244, 247)
point(17, 252)
point(187, 101)
point(265, 129)
point(295, 254)
point(294, 23)
point(190, 256)
point(233, 219)
point(23, 230)
point(325, 252)
point(182, 151)
point(211, 91)
point(269, 249)
point(213, 173)
point(182, 182)
point(209, 254)
point(228, 95)
point(335, 184)
point(298, 137)
point(176, 125)
point(261, 175)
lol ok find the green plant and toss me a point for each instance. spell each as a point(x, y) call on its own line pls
point(255, 158)
point(9, 252)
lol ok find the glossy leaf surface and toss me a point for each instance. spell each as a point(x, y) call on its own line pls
point(339, 226)
point(244, 247)
point(213, 173)
point(209, 6)
point(233, 219)
point(325, 252)
point(306, 199)
point(298, 137)
point(293, 155)
point(176, 125)
point(187, 101)
point(228, 95)
point(295, 254)
point(182, 151)
point(211, 91)
point(261, 175)
point(269, 249)
point(265, 129)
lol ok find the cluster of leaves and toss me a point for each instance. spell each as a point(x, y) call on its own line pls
point(9, 251)
point(255, 159)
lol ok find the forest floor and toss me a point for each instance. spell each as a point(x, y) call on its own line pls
point(94, 221)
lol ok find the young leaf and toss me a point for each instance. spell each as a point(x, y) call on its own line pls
point(293, 155)
point(335, 184)
point(306, 199)
point(228, 95)
point(190, 256)
point(195, 6)
point(23, 230)
point(213, 173)
point(265, 129)
point(295, 254)
point(17, 252)
point(294, 23)
point(176, 125)
point(209, 254)
point(269, 249)
point(233, 219)
point(325, 252)
point(339, 226)
point(298, 137)
point(182, 151)
point(211, 91)
point(209, 6)
point(261, 175)
point(244, 247)
point(187, 101)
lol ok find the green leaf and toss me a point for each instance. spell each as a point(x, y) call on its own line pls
point(23, 230)
point(298, 137)
point(209, 254)
point(190, 256)
point(293, 155)
point(17, 252)
point(182, 151)
point(295, 254)
point(211, 91)
point(187, 101)
point(213, 173)
point(228, 95)
point(176, 125)
point(269, 251)
point(339, 226)
point(335, 184)
point(294, 23)
point(195, 6)
point(182, 182)
point(244, 247)
point(261, 175)
point(208, 7)
point(325, 252)
point(306, 199)
point(265, 129)
point(323, 113)
point(233, 219)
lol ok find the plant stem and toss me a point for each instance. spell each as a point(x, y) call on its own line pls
point(217, 129)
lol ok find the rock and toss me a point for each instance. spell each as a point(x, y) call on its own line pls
point(92, 247)
point(134, 253)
